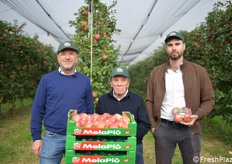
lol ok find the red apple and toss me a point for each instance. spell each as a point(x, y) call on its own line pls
point(122, 123)
point(94, 40)
point(107, 123)
point(84, 23)
point(16, 30)
point(102, 118)
point(126, 119)
point(78, 124)
point(114, 125)
point(113, 119)
point(83, 121)
point(94, 94)
point(4, 35)
point(178, 118)
point(94, 119)
point(85, 12)
point(97, 36)
point(83, 115)
point(90, 117)
point(95, 123)
point(104, 57)
point(88, 124)
point(84, 28)
point(104, 34)
point(174, 110)
point(95, 115)
point(187, 118)
point(75, 117)
point(100, 124)
point(106, 115)
point(118, 116)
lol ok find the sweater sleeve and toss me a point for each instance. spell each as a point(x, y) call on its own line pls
point(38, 107)
point(143, 122)
point(89, 99)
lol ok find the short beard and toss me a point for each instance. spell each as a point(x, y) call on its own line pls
point(175, 58)
point(65, 68)
point(68, 69)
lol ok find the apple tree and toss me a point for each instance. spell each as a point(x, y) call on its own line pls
point(210, 46)
point(95, 25)
point(139, 80)
point(23, 61)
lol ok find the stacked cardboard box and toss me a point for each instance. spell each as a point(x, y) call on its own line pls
point(100, 145)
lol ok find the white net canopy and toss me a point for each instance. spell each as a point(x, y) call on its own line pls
point(143, 23)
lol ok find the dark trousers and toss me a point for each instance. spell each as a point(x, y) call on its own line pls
point(168, 135)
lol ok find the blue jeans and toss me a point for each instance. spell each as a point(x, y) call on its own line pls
point(139, 154)
point(53, 148)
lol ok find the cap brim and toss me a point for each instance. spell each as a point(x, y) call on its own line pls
point(66, 48)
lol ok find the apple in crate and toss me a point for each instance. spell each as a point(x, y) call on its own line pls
point(100, 121)
point(100, 124)
point(114, 125)
point(75, 117)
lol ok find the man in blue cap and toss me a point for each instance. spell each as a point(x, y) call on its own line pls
point(57, 93)
point(122, 99)
point(178, 83)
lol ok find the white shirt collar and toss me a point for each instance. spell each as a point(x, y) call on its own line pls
point(122, 97)
point(61, 72)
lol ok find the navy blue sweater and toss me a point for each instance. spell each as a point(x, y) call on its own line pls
point(55, 96)
point(131, 102)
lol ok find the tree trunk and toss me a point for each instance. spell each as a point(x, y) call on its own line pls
point(224, 124)
point(13, 108)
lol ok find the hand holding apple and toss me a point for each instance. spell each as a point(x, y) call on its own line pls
point(193, 119)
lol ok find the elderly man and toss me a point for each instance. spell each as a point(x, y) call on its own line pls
point(121, 99)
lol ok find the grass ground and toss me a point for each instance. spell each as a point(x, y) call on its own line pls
point(15, 142)
point(211, 148)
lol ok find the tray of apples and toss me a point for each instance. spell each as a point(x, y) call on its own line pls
point(105, 124)
point(181, 114)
